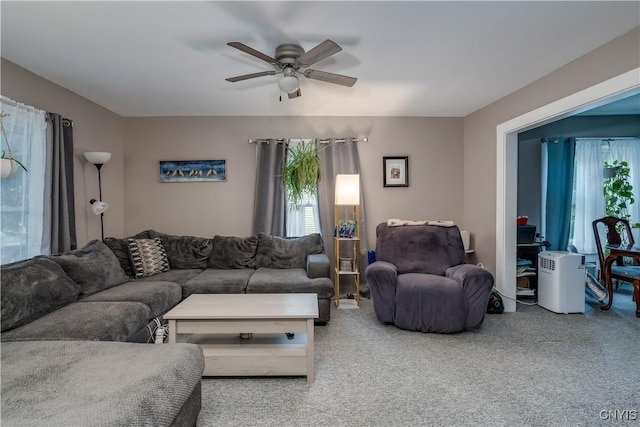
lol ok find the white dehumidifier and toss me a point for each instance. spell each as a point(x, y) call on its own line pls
point(561, 281)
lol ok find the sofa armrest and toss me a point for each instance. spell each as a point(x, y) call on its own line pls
point(476, 285)
point(318, 266)
point(382, 279)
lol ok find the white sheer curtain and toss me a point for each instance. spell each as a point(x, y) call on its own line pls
point(588, 197)
point(628, 150)
point(304, 220)
point(22, 196)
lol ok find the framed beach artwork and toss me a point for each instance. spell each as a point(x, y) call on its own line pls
point(193, 170)
point(395, 171)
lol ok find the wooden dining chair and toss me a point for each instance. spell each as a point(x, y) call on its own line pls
point(619, 270)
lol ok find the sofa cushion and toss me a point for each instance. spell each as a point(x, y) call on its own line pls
point(32, 288)
point(148, 257)
point(280, 252)
point(120, 248)
point(158, 296)
point(176, 276)
point(233, 252)
point(293, 280)
point(184, 251)
point(94, 267)
point(216, 281)
point(85, 321)
point(62, 383)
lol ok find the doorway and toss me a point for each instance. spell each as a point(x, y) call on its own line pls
point(507, 159)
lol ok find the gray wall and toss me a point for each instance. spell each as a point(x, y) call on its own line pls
point(529, 148)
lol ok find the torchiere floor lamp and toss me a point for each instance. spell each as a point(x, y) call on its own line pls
point(98, 158)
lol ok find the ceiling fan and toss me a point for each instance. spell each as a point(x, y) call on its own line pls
point(288, 61)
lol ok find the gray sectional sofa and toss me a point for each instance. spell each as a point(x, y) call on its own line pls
point(257, 264)
point(73, 324)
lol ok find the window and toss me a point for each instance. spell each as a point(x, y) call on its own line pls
point(305, 219)
point(588, 200)
point(22, 227)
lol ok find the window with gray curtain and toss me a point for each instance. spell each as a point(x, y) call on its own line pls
point(337, 156)
point(23, 234)
point(37, 206)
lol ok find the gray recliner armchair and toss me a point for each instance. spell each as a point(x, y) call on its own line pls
point(420, 281)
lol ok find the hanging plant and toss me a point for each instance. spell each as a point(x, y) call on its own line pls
point(609, 171)
point(8, 161)
point(9, 166)
point(301, 172)
point(618, 191)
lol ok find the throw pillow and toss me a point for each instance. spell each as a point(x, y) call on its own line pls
point(33, 288)
point(94, 267)
point(280, 252)
point(148, 257)
point(120, 248)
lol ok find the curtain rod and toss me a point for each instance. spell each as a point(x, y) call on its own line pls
point(554, 139)
point(321, 141)
point(620, 138)
point(603, 139)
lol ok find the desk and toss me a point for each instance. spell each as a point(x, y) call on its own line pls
point(616, 251)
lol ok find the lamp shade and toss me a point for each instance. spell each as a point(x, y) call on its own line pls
point(97, 157)
point(348, 189)
point(288, 84)
point(98, 207)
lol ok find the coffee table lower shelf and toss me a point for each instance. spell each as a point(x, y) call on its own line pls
point(261, 355)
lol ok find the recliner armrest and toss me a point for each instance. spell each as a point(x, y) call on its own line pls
point(318, 266)
point(382, 279)
point(469, 275)
point(476, 283)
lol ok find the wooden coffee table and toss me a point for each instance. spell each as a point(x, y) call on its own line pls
point(215, 321)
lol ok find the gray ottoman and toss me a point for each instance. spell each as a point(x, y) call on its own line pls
point(77, 383)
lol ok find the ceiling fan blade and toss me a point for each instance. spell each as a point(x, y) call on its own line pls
point(318, 53)
point(243, 47)
point(330, 77)
point(295, 94)
point(250, 76)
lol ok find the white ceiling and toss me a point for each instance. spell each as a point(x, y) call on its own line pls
point(162, 58)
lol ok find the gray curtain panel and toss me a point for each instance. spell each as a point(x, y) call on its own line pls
point(60, 175)
point(270, 205)
point(338, 158)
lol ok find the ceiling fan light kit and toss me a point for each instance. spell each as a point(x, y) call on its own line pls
point(288, 84)
point(289, 58)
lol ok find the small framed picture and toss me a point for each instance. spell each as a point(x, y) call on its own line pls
point(346, 228)
point(395, 171)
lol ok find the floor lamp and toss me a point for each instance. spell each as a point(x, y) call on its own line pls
point(98, 158)
point(347, 194)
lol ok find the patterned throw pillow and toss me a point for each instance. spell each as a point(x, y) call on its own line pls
point(148, 257)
